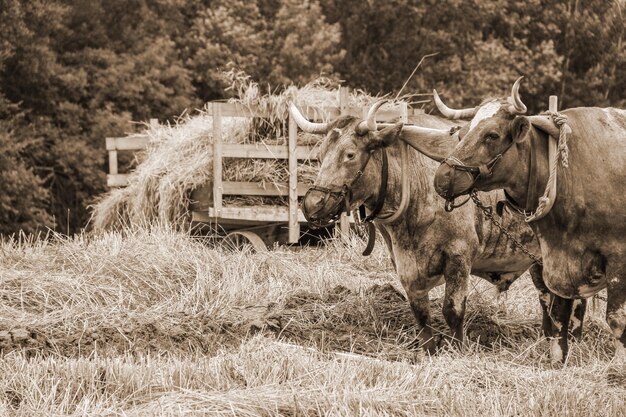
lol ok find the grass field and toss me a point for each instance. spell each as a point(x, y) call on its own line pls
point(154, 323)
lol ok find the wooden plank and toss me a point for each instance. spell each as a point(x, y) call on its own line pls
point(117, 180)
point(294, 226)
point(260, 189)
point(217, 159)
point(113, 162)
point(128, 143)
point(256, 213)
point(250, 213)
point(238, 150)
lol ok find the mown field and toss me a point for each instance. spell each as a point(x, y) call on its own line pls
point(155, 323)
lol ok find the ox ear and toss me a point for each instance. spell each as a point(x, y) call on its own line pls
point(385, 137)
point(520, 127)
point(436, 144)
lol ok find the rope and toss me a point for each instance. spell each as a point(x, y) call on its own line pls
point(560, 120)
point(562, 153)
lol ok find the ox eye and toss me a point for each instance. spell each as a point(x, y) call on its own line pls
point(492, 136)
point(350, 155)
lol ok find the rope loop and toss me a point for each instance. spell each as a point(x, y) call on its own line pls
point(560, 120)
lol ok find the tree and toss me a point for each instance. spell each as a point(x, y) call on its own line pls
point(23, 200)
point(305, 44)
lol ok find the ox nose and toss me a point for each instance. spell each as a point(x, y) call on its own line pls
point(312, 202)
point(442, 179)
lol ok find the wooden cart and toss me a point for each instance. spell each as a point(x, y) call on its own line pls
point(259, 226)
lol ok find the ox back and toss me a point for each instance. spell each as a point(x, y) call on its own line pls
point(582, 239)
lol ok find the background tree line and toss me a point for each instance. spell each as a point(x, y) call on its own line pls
point(75, 71)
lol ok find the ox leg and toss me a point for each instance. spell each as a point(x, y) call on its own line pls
point(561, 311)
point(420, 304)
point(545, 299)
point(616, 315)
point(577, 318)
point(417, 287)
point(556, 314)
point(457, 279)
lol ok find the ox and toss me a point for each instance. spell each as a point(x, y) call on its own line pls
point(583, 236)
point(428, 246)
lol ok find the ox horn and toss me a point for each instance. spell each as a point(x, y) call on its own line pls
point(517, 106)
point(369, 124)
point(453, 113)
point(306, 125)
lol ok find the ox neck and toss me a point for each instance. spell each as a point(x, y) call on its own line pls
point(400, 183)
point(526, 185)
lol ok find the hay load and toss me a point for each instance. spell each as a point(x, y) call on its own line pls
point(178, 157)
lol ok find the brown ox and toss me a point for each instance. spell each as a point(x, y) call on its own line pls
point(428, 246)
point(583, 236)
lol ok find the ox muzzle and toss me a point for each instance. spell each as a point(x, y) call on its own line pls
point(322, 206)
point(454, 178)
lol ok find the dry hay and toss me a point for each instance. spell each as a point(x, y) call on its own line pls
point(178, 158)
point(154, 323)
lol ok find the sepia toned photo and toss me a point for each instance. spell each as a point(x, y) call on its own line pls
point(313, 208)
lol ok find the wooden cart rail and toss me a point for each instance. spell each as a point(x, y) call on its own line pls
point(292, 152)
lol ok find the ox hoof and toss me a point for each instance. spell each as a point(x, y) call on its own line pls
point(558, 354)
point(430, 345)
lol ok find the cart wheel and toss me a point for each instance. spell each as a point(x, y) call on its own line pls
point(244, 241)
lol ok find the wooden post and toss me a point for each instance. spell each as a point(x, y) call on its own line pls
point(553, 104)
point(344, 222)
point(154, 123)
point(217, 159)
point(344, 93)
point(404, 112)
point(294, 226)
point(113, 162)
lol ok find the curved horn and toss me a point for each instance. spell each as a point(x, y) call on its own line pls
point(436, 144)
point(369, 124)
point(304, 124)
point(517, 106)
point(452, 113)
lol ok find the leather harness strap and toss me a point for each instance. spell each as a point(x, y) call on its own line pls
point(380, 202)
point(533, 185)
point(382, 192)
point(344, 195)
